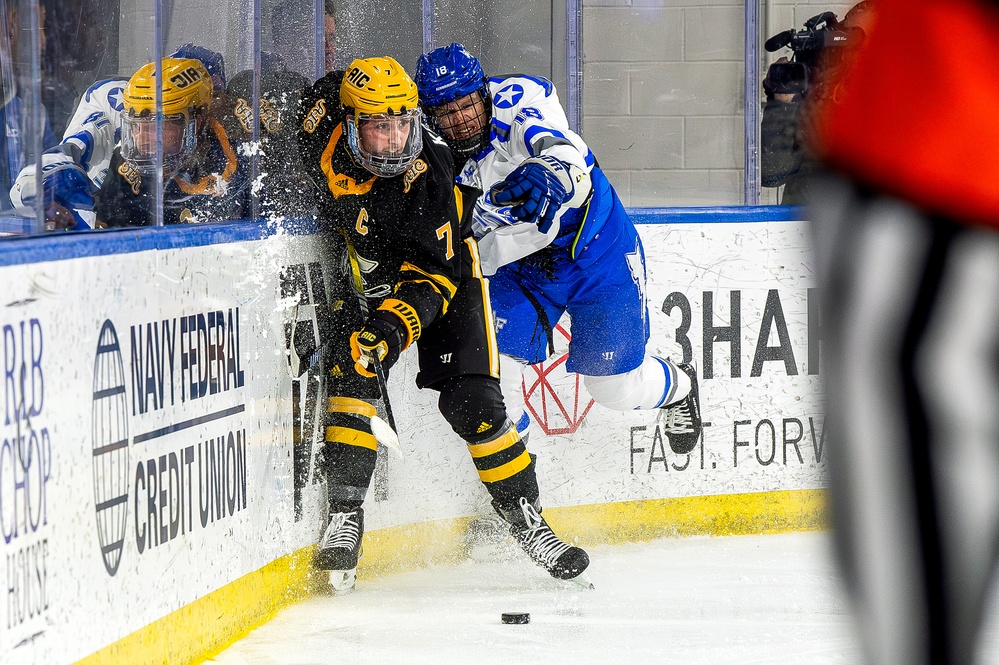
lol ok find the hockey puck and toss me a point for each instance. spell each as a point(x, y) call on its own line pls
point(515, 617)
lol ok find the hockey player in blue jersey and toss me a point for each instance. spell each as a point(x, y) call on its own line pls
point(555, 237)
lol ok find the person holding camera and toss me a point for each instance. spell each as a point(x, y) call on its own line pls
point(818, 52)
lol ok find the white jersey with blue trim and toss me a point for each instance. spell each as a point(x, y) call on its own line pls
point(95, 128)
point(527, 121)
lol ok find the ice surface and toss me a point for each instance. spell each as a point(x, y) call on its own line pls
point(691, 601)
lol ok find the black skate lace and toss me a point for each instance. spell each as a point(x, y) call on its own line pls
point(542, 544)
point(342, 532)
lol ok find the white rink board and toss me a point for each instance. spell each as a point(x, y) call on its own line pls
point(65, 604)
point(82, 482)
point(595, 462)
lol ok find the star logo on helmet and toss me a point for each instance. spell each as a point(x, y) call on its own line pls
point(509, 96)
point(115, 99)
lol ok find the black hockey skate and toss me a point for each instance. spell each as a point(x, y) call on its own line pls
point(682, 424)
point(340, 549)
point(562, 560)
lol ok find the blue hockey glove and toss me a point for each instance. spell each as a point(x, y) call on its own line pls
point(537, 188)
point(65, 183)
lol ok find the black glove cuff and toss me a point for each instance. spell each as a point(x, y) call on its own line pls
point(389, 325)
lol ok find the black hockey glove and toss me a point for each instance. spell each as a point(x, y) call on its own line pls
point(536, 189)
point(385, 335)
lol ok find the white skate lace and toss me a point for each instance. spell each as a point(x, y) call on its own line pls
point(342, 532)
point(678, 420)
point(542, 544)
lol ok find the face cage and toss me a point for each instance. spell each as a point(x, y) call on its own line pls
point(386, 165)
point(470, 145)
point(146, 164)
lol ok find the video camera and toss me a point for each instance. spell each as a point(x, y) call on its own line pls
point(821, 31)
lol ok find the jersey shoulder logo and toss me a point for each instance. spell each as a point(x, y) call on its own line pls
point(270, 117)
point(131, 176)
point(415, 170)
point(509, 96)
point(244, 115)
point(316, 113)
point(116, 98)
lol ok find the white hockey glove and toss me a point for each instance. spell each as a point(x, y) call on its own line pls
point(65, 184)
point(536, 189)
point(488, 216)
point(503, 238)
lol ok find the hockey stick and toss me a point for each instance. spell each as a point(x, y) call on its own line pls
point(302, 363)
point(383, 431)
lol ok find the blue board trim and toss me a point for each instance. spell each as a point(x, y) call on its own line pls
point(73, 245)
point(104, 242)
point(716, 214)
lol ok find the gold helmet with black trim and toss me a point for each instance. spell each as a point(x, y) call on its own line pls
point(383, 115)
point(187, 89)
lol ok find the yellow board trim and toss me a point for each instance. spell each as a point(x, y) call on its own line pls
point(208, 625)
point(214, 622)
point(350, 405)
point(499, 443)
point(351, 437)
point(504, 471)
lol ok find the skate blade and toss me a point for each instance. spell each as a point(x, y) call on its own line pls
point(342, 582)
point(582, 581)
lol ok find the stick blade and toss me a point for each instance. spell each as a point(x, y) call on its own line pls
point(386, 435)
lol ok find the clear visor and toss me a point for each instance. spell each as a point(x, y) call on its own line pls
point(385, 144)
point(138, 141)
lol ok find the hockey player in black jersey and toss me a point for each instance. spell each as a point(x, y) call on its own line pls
point(284, 191)
point(204, 179)
point(392, 212)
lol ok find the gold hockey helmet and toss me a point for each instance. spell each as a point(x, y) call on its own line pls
point(187, 88)
point(383, 115)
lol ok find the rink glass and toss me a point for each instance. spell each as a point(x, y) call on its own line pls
point(666, 93)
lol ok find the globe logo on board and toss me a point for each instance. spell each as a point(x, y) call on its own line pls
point(109, 432)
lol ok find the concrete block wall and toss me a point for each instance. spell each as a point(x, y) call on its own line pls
point(663, 91)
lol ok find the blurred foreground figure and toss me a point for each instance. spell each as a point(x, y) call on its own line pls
point(909, 264)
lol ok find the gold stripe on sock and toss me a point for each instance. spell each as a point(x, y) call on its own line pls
point(351, 437)
point(495, 445)
point(507, 470)
point(350, 405)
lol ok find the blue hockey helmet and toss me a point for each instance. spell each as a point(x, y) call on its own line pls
point(212, 60)
point(455, 98)
point(447, 73)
